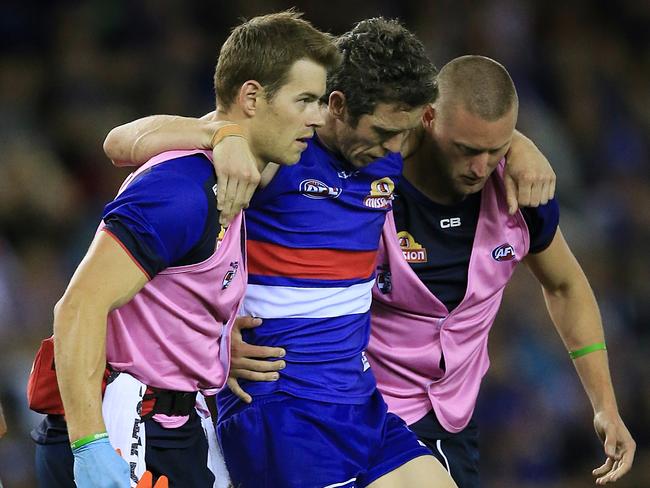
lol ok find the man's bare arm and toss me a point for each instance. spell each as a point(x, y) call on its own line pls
point(574, 311)
point(106, 279)
point(135, 143)
point(3, 423)
point(529, 177)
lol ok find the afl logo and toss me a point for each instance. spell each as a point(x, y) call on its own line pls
point(381, 194)
point(317, 189)
point(505, 252)
point(230, 274)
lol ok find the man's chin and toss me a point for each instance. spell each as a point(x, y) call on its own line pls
point(360, 163)
point(290, 159)
point(365, 159)
point(470, 189)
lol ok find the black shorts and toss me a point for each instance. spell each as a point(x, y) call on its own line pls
point(458, 453)
point(180, 454)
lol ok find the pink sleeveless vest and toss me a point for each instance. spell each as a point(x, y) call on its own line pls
point(411, 328)
point(175, 333)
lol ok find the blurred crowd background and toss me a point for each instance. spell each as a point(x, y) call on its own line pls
point(72, 70)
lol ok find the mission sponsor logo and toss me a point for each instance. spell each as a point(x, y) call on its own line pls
point(505, 252)
point(381, 194)
point(316, 189)
point(412, 251)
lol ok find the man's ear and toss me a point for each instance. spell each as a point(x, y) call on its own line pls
point(337, 105)
point(250, 94)
point(428, 116)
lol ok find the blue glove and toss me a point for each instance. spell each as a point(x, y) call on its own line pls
point(97, 465)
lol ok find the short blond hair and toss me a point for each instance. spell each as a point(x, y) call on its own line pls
point(480, 85)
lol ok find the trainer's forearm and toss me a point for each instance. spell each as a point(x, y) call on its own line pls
point(576, 317)
point(80, 358)
point(520, 141)
point(3, 423)
point(135, 143)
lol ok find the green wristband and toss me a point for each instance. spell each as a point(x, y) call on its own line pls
point(598, 346)
point(87, 440)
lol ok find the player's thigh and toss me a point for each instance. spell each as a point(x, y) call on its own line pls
point(461, 457)
point(421, 472)
point(457, 451)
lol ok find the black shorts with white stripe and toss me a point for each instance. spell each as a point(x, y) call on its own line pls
point(458, 453)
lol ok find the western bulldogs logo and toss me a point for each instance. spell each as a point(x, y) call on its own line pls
point(317, 189)
point(412, 251)
point(384, 281)
point(505, 252)
point(381, 194)
point(230, 275)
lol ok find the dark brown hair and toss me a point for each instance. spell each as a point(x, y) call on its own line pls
point(383, 62)
point(264, 48)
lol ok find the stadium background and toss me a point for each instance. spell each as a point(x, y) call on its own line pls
point(72, 70)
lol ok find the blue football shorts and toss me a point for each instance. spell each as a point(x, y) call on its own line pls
point(283, 441)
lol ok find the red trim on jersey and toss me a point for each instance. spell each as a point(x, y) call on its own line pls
point(115, 238)
point(325, 264)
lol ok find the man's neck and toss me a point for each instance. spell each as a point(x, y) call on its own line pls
point(244, 123)
point(422, 171)
point(327, 134)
